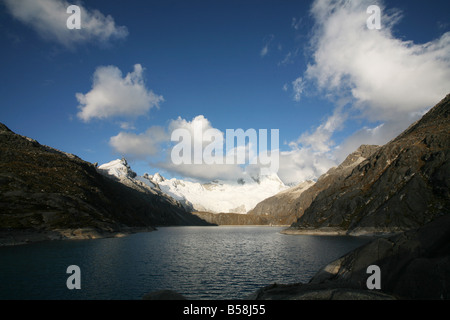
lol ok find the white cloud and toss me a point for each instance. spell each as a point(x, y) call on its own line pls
point(127, 125)
point(298, 87)
point(384, 82)
point(320, 139)
point(113, 95)
point(312, 154)
point(288, 59)
point(296, 23)
point(388, 77)
point(142, 145)
point(264, 51)
point(197, 122)
point(267, 42)
point(49, 17)
point(203, 172)
point(303, 164)
point(155, 146)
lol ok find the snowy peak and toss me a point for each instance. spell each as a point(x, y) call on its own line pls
point(271, 179)
point(157, 178)
point(219, 196)
point(118, 168)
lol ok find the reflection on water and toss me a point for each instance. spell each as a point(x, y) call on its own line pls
point(198, 262)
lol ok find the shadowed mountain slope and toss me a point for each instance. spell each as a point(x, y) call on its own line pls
point(403, 185)
point(44, 189)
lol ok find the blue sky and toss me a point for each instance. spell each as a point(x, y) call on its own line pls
point(308, 68)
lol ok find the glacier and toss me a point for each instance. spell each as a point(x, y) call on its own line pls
point(216, 196)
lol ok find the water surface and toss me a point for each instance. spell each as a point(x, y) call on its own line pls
point(198, 262)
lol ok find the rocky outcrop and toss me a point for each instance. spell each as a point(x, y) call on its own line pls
point(286, 207)
point(400, 186)
point(316, 292)
point(119, 170)
point(44, 189)
point(13, 237)
point(413, 265)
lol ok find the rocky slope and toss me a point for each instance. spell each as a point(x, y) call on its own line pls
point(413, 265)
point(284, 207)
point(217, 202)
point(287, 206)
point(45, 190)
point(402, 185)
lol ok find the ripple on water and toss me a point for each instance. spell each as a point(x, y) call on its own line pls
point(199, 262)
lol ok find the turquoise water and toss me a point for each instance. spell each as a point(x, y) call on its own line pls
point(214, 263)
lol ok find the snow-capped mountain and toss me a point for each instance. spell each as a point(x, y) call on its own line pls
point(214, 197)
point(118, 168)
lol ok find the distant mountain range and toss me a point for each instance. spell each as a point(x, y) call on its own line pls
point(213, 197)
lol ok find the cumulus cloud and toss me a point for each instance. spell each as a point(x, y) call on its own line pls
point(302, 164)
point(49, 19)
point(312, 154)
point(142, 145)
point(385, 82)
point(321, 139)
point(113, 95)
point(386, 76)
point(156, 143)
point(156, 146)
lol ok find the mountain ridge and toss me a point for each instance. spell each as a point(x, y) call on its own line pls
point(287, 206)
point(216, 197)
point(50, 192)
point(403, 185)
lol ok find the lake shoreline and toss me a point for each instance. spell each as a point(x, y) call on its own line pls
point(12, 237)
point(329, 231)
point(129, 267)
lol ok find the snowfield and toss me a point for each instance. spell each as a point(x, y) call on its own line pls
point(214, 197)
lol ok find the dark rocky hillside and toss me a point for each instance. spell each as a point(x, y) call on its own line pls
point(44, 189)
point(286, 207)
point(403, 185)
point(414, 265)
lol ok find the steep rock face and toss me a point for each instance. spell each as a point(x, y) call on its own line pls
point(286, 207)
point(119, 170)
point(402, 185)
point(42, 188)
point(413, 265)
point(283, 208)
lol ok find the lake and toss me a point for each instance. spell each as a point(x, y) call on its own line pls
point(215, 263)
